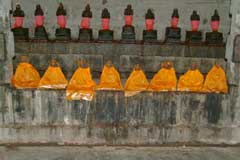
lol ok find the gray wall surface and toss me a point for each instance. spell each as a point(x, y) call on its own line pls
point(117, 153)
point(29, 116)
point(162, 9)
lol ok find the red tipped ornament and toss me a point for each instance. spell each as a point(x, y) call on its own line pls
point(214, 37)
point(105, 19)
point(61, 16)
point(128, 13)
point(173, 33)
point(19, 32)
point(39, 16)
point(86, 18)
point(128, 31)
point(195, 21)
point(175, 19)
point(18, 15)
point(149, 22)
point(105, 34)
point(215, 21)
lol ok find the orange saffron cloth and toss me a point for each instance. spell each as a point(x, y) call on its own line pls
point(53, 78)
point(26, 76)
point(216, 80)
point(110, 79)
point(81, 85)
point(136, 83)
point(192, 81)
point(164, 80)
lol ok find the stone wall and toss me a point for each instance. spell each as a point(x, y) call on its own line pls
point(45, 117)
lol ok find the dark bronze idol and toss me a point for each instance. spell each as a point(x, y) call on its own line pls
point(128, 31)
point(19, 32)
point(214, 37)
point(62, 33)
point(173, 33)
point(194, 36)
point(40, 31)
point(105, 34)
point(149, 34)
point(85, 32)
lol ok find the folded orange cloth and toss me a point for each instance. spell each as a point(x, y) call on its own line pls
point(136, 82)
point(164, 80)
point(192, 81)
point(26, 76)
point(53, 78)
point(216, 80)
point(81, 85)
point(110, 79)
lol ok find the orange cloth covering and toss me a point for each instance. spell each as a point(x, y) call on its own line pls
point(136, 82)
point(26, 76)
point(81, 85)
point(192, 81)
point(164, 80)
point(216, 80)
point(110, 79)
point(53, 78)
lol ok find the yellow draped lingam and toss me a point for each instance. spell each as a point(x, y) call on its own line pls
point(136, 82)
point(53, 77)
point(165, 79)
point(81, 85)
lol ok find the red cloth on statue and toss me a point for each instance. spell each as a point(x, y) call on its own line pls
point(18, 22)
point(39, 21)
point(149, 24)
point(195, 25)
point(61, 21)
point(85, 23)
point(105, 23)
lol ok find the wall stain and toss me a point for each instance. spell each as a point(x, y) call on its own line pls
point(213, 107)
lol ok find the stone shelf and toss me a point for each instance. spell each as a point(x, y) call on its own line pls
point(123, 55)
point(115, 48)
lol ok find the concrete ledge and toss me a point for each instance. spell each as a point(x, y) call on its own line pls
point(119, 153)
point(123, 63)
point(120, 48)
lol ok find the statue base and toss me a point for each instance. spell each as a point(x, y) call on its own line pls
point(40, 33)
point(214, 38)
point(85, 34)
point(173, 34)
point(150, 35)
point(128, 33)
point(194, 37)
point(21, 33)
point(63, 34)
point(105, 35)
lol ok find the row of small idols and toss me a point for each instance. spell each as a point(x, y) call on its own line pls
point(82, 86)
point(173, 33)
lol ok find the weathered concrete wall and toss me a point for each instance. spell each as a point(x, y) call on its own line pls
point(36, 116)
point(162, 9)
point(117, 153)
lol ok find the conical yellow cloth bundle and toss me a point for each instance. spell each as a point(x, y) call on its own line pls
point(81, 85)
point(26, 76)
point(53, 77)
point(110, 78)
point(216, 80)
point(136, 82)
point(165, 79)
point(192, 81)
